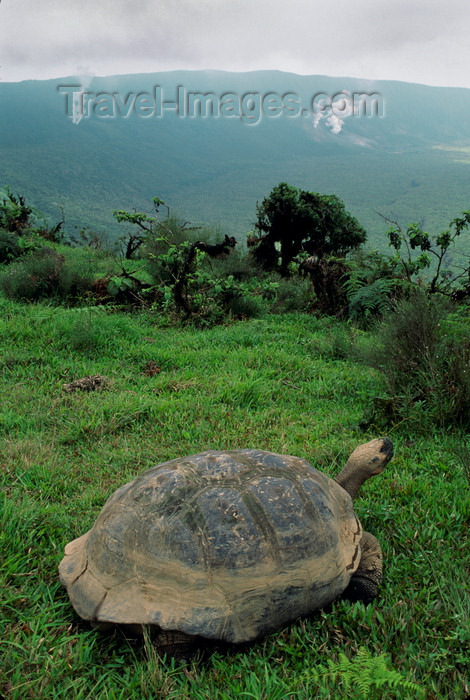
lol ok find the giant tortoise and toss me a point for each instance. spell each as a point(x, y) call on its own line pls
point(226, 546)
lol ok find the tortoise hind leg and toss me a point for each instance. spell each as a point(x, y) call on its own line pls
point(182, 647)
point(364, 583)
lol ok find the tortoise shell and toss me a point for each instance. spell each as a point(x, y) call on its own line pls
point(223, 545)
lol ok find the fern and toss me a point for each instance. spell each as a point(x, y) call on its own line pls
point(359, 677)
point(369, 299)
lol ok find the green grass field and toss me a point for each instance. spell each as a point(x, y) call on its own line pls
point(280, 383)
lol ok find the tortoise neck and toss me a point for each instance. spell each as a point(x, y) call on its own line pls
point(351, 479)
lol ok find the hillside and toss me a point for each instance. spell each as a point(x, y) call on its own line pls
point(276, 383)
point(411, 162)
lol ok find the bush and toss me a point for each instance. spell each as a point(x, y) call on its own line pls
point(372, 284)
point(9, 246)
point(423, 352)
point(46, 273)
point(77, 274)
point(370, 301)
point(34, 277)
point(164, 237)
point(245, 307)
point(18, 218)
point(292, 294)
point(327, 276)
point(240, 265)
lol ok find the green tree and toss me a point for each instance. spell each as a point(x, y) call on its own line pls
point(292, 221)
point(146, 223)
point(445, 275)
point(15, 216)
point(20, 227)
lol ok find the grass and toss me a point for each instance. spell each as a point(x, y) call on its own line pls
point(282, 383)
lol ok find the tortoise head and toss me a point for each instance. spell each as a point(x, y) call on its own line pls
point(366, 461)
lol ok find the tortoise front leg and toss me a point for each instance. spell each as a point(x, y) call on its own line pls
point(365, 581)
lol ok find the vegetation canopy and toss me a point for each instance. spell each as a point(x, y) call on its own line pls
point(292, 221)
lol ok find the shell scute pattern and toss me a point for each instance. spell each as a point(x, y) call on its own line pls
point(226, 545)
point(232, 534)
point(171, 539)
point(295, 531)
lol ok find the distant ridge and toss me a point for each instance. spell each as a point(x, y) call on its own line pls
point(406, 154)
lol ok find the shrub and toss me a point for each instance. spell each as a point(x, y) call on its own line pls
point(9, 246)
point(292, 294)
point(156, 245)
point(87, 238)
point(327, 276)
point(371, 285)
point(46, 273)
point(77, 274)
point(245, 306)
point(14, 246)
point(434, 248)
point(34, 277)
point(17, 217)
point(239, 264)
point(370, 301)
point(423, 352)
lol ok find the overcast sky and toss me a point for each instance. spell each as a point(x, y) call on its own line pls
point(423, 41)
